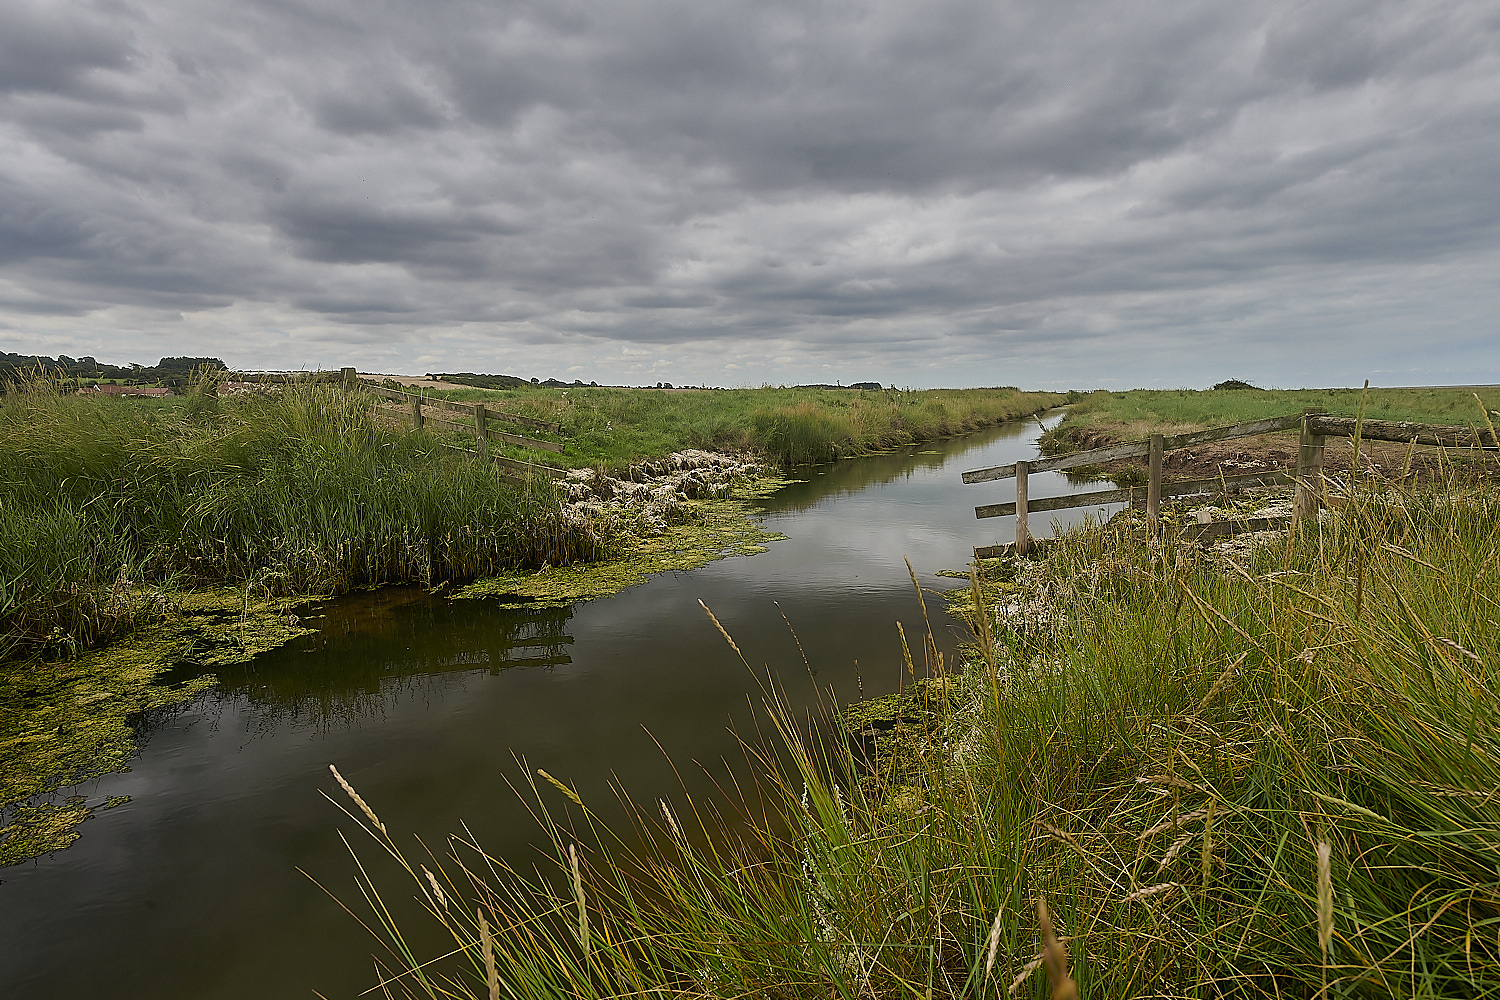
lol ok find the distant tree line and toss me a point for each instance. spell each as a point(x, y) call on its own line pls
point(171, 372)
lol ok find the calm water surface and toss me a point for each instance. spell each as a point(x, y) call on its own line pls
point(193, 888)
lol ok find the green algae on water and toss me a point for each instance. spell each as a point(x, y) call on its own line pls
point(711, 530)
point(67, 722)
point(34, 830)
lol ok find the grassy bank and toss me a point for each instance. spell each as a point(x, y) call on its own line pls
point(1103, 417)
point(615, 427)
point(1271, 778)
point(107, 506)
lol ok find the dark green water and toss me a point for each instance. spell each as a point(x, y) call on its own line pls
point(193, 889)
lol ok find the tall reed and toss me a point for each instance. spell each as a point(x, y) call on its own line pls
point(299, 491)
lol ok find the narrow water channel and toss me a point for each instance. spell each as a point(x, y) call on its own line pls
point(192, 889)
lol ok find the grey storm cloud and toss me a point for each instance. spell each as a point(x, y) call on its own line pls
point(947, 193)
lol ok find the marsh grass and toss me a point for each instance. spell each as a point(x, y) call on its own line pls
point(108, 505)
point(615, 427)
point(105, 506)
point(1172, 411)
point(1221, 779)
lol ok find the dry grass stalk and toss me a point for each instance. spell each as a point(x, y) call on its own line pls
point(1171, 822)
point(666, 812)
point(723, 631)
point(994, 943)
point(1055, 954)
point(982, 616)
point(583, 913)
point(363, 806)
point(1325, 898)
point(1027, 970)
point(1152, 890)
point(561, 787)
point(1208, 851)
point(1173, 851)
point(487, 945)
point(437, 890)
point(1494, 439)
point(1225, 676)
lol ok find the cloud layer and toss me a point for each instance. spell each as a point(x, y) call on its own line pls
point(953, 193)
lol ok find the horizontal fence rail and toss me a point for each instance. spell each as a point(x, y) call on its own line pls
point(1316, 427)
point(508, 464)
point(478, 417)
point(478, 424)
point(1439, 435)
point(1186, 487)
point(1099, 456)
point(491, 434)
point(465, 408)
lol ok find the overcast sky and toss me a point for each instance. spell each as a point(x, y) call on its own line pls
point(956, 193)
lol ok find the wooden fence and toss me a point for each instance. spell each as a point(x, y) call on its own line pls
point(1316, 427)
point(467, 418)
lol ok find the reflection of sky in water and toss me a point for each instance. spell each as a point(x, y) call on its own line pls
point(192, 889)
point(923, 513)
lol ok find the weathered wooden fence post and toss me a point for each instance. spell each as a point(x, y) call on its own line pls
point(479, 432)
point(416, 412)
point(1023, 530)
point(349, 377)
point(1309, 468)
point(1153, 481)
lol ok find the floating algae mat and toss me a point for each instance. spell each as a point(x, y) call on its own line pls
point(709, 530)
point(66, 722)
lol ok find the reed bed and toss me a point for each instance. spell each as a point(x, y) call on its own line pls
point(1158, 774)
point(105, 506)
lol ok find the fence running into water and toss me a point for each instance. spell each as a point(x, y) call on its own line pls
point(1315, 425)
point(478, 417)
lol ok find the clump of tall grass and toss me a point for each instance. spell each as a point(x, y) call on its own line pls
point(1266, 778)
point(294, 492)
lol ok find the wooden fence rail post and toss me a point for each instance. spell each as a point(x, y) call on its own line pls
point(1153, 482)
point(348, 376)
point(479, 432)
point(1023, 530)
point(416, 412)
point(1309, 468)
